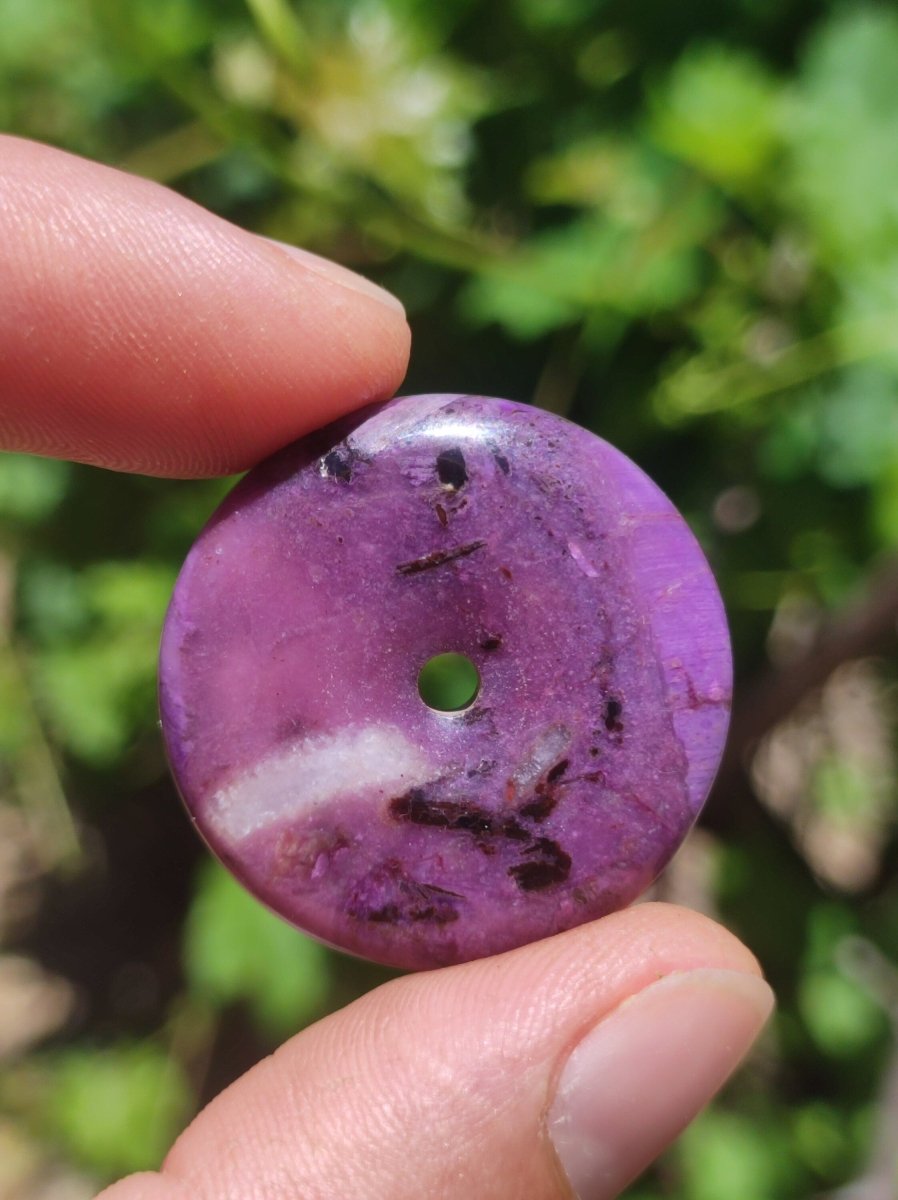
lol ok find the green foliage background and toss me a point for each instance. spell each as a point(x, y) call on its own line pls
point(677, 224)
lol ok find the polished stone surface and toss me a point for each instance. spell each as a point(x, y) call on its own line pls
point(326, 580)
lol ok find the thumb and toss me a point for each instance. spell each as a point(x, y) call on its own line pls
point(561, 1068)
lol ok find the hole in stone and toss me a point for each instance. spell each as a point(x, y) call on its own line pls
point(448, 682)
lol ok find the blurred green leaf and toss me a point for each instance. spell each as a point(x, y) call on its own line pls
point(53, 605)
point(168, 29)
point(117, 1109)
point(720, 112)
point(635, 263)
point(841, 1017)
point(595, 171)
point(847, 431)
point(823, 1141)
point(829, 923)
point(31, 488)
point(97, 689)
point(790, 442)
point(525, 311)
point(723, 1156)
point(236, 950)
point(282, 29)
point(541, 15)
point(127, 596)
point(842, 130)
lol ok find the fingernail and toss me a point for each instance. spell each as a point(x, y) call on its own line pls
point(639, 1077)
point(335, 273)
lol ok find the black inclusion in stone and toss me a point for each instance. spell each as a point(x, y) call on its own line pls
point(437, 558)
point(556, 772)
point(451, 468)
point(540, 807)
point(417, 808)
point(549, 866)
point(338, 465)
point(612, 715)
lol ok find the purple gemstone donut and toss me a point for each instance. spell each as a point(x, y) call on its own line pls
point(337, 569)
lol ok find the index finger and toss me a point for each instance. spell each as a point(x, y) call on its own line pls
point(140, 332)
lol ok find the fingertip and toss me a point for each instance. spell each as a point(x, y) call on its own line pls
point(699, 940)
point(640, 1075)
point(335, 272)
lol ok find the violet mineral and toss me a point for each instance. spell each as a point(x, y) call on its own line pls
point(336, 570)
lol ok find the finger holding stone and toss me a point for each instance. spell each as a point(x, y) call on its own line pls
point(140, 332)
point(559, 1069)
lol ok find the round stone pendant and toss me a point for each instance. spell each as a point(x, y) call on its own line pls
point(328, 774)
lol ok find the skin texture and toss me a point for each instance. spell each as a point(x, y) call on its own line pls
point(133, 327)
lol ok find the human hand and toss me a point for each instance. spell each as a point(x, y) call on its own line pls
point(141, 333)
